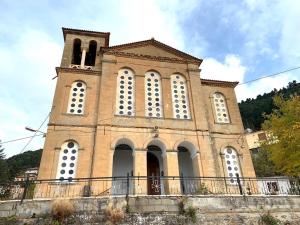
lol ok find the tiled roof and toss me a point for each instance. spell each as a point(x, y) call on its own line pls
point(219, 83)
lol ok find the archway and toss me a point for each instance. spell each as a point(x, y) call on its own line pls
point(188, 167)
point(122, 167)
point(154, 170)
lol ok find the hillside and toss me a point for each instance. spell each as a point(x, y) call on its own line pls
point(252, 110)
point(19, 163)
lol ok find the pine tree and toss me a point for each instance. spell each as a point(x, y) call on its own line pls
point(3, 165)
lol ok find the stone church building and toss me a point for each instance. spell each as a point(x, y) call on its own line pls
point(140, 109)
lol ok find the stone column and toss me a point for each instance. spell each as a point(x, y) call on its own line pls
point(83, 55)
point(140, 169)
point(172, 186)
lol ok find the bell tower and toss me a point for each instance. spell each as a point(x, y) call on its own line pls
point(73, 119)
point(81, 48)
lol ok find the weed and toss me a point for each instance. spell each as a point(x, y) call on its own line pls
point(202, 190)
point(181, 204)
point(114, 215)
point(61, 209)
point(268, 219)
point(191, 213)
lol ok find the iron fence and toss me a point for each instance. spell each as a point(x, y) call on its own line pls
point(154, 185)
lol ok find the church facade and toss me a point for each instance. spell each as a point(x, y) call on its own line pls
point(140, 109)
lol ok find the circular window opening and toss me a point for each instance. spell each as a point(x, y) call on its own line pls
point(70, 145)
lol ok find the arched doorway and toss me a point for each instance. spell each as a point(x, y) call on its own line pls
point(154, 170)
point(188, 167)
point(122, 167)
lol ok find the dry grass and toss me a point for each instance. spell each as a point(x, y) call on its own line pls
point(114, 215)
point(61, 209)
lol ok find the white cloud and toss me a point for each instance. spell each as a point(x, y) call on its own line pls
point(28, 64)
point(290, 33)
point(230, 70)
point(26, 87)
point(262, 86)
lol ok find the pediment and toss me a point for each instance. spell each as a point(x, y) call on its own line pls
point(151, 49)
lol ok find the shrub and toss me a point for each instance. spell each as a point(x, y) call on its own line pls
point(268, 219)
point(61, 209)
point(114, 215)
point(202, 190)
point(181, 205)
point(191, 212)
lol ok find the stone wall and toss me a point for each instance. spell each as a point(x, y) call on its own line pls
point(163, 210)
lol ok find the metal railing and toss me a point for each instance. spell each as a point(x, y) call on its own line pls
point(142, 185)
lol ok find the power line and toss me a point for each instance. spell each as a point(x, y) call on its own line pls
point(19, 139)
point(271, 75)
point(35, 134)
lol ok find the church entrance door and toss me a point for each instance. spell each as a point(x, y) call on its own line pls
point(153, 173)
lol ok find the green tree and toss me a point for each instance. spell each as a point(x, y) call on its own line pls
point(17, 164)
point(3, 165)
point(263, 165)
point(283, 127)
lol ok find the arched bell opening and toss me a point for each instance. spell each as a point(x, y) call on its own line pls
point(76, 56)
point(91, 54)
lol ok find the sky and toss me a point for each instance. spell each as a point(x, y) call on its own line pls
point(238, 40)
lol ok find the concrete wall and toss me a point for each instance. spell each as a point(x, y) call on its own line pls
point(163, 210)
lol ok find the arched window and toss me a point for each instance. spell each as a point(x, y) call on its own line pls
point(77, 98)
point(221, 111)
point(66, 168)
point(179, 97)
point(153, 95)
point(91, 54)
point(76, 57)
point(125, 93)
point(232, 164)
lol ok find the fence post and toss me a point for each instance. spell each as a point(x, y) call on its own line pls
point(25, 189)
point(182, 183)
point(127, 189)
point(239, 183)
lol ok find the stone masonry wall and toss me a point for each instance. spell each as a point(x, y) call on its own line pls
point(161, 210)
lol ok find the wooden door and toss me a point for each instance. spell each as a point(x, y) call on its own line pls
point(153, 173)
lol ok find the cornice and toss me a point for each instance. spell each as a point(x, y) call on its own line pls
point(86, 33)
point(156, 43)
point(149, 57)
point(219, 83)
point(74, 70)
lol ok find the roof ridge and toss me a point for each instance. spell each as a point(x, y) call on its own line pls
point(82, 30)
point(152, 40)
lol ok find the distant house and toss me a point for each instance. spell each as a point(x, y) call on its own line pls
point(254, 140)
point(30, 173)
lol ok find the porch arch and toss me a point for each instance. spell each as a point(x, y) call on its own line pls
point(122, 165)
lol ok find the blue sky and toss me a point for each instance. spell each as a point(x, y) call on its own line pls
point(238, 40)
